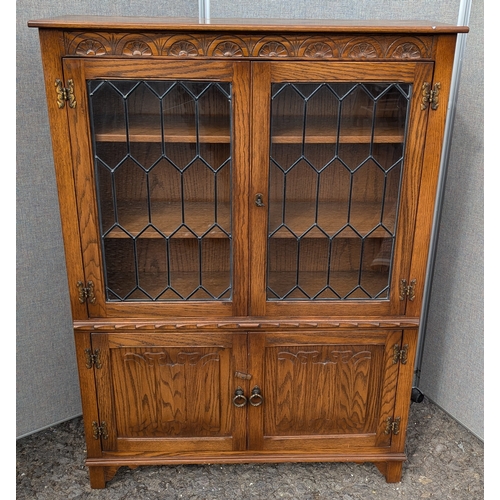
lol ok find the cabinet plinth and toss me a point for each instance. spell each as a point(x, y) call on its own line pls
point(244, 201)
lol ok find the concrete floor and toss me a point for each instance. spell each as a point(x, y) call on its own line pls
point(445, 461)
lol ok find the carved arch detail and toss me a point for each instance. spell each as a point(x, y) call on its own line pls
point(359, 48)
point(408, 48)
point(304, 45)
point(275, 46)
point(228, 46)
point(318, 48)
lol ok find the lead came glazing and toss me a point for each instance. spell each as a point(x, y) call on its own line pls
point(336, 164)
point(162, 159)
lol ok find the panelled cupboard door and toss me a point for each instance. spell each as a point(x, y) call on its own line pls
point(168, 394)
point(160, 175)
point(336, 167)
point(322, 393)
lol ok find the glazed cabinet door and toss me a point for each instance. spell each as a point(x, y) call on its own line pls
point(169, 394)
point(160, 169)
point(323, 392)
point(336, 168)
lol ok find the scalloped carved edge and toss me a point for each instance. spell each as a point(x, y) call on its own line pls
point(247, 325)
point(217, 45)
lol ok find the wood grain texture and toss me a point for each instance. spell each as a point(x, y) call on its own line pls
point(164, 393)
point(246, 323)
point(90, 404)
point(64, 168)
point(430, 174)
point(326, 369)
point(244, 24)
point(321, 393)
point(131, 214)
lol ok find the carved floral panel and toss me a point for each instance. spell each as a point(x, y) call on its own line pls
point(186, 45)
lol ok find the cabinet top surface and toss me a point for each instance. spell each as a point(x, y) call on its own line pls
point(244, 24)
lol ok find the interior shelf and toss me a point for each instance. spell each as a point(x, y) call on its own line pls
point(184, 283)
point(343, 282)
point(199, 216)
point(320, 130)
point(331, 217)
point(167, 218)
point(147, 128)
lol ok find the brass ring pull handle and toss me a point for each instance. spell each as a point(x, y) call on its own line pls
point(256, 398)
point(259, 200)
point(239, 399)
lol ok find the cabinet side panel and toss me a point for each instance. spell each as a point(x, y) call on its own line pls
point(432, 157)
point(52, 51)
point(403, 394)
point(88, 393)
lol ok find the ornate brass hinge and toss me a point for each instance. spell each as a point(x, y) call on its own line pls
point(407, 290)
point(392, 425)
point(65, 94)
point(400, 354)
point(93, 358)
point(430, 96)
point(99, 431)
point(86, 292)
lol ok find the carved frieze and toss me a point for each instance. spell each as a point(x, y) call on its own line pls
point(404, 323)
point(186, 45)
point(333, 357)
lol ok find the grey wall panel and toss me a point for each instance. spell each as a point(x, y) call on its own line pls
point(335, 9)
point(452, 362)
point(47, 383)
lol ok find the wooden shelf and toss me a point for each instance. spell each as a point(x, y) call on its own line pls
point(321, 131)
point(183, 282)
point(147, 128)
point(332, 216)
point(167, 217)
point(312, 282)
point(199, 216)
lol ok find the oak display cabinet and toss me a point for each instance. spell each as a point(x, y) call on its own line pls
point(246, 209)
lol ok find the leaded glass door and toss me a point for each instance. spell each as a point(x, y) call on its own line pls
point(336, 185)
point(161, 194)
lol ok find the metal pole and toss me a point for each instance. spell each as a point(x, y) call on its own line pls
point(204, 11)
point(463, 20)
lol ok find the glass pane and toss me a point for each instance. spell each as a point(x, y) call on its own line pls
point(162, 159)
point(334, 182)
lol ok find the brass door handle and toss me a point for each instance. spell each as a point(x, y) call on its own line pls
point(256, 398)
point(239, 399)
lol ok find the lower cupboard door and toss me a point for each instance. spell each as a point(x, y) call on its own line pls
point(322, 392)
point(163, 394)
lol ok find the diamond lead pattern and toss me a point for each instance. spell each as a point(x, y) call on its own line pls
point(335, 175)
point(162, 156)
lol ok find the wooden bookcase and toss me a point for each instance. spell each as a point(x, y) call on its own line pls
point(246, 209)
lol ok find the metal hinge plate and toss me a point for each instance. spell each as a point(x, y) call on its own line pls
point(65, 94)
point(99, 431)
point(430, 96)
point(392, 425)
point(86, 292)
point(407, 290)
point(93, 358)
point(400, 354)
